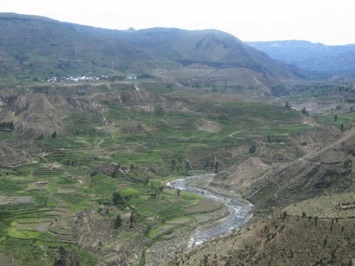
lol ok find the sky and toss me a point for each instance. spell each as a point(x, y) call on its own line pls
point(320, 21)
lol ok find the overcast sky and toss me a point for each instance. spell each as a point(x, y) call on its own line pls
point(324, 21)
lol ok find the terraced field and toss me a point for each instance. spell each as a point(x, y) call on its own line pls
point(95, 190)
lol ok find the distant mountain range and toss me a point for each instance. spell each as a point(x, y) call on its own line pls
point(311, 56)
point(33, 46)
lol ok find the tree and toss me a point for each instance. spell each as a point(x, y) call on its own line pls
point(284, 215)
point(216, 167)
point(131, 219)
point(304, 111)
point(252, 149)
point(342, 127)
point(118, 221)
point(173, 164)
point(54, 135)
point(335, 118)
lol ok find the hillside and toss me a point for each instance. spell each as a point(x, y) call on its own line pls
point(37, 47)
point(87, 165)
point(311, 56)
point(283, 238)
point(304, 208)
point(326, 167)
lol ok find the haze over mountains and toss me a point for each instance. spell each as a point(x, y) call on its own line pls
point(311, 56)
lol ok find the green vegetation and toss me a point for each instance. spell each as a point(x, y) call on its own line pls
point(106, 169)
point(95, 123)
point(118, 169)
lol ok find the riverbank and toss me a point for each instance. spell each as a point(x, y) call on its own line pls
point(239, 210)
point(234, 212)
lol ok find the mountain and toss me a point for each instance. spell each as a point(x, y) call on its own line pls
point(84, 164)
point(210, 47)
point(311, 56)
point(33, 46)
point(40, 46)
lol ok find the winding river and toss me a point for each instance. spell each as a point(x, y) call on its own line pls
point(239, 211)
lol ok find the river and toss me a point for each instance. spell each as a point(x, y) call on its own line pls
point(239, 211)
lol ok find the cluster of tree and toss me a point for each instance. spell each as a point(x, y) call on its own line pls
point(67, 258)
point(273, 139)
point(118, 220)
point(212, 166)
point(348, 164)
point(180, 164)
point(7, 126)
point(145, 76)
point(121, 202)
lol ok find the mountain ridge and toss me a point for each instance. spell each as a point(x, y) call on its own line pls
point(41, 46)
